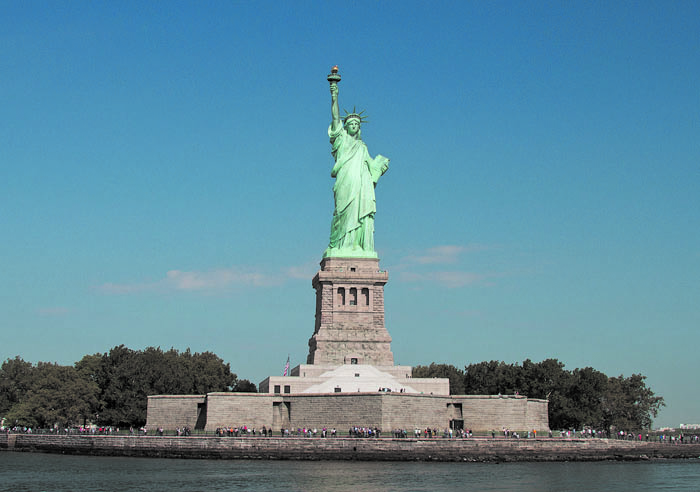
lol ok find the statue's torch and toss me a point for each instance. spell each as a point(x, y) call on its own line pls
point(334, 76)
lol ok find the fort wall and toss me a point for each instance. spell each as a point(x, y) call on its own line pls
point(177, 411)
point(495, 450)
point(250, 409)
point(386, 411)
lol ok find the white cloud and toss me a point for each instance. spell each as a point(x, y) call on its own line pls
point(458, 279)
point(215, 279)
point(421, 267)
point(224, 279)
point(199, 281)
point(445, 254)
point(303, 272)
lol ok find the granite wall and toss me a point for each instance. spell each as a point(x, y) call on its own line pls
point(172, 412)
point(386, 411)
point(496, 450)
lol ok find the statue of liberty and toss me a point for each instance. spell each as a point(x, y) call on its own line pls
point(356, 174)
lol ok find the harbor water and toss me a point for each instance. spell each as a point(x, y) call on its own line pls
point(49, 472)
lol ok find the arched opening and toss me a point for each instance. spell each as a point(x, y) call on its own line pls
point(365, 297)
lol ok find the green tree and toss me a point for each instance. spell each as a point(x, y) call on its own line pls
point(110, 388)
point(123, 388)
point(491, 378)
point(542, 379)
point(578, 398)
point(628, 404)
point(57, 395)
point(211, 374)
point(244, 386)
point(455, 375)
point(15, 379)
point(127, 377)
point(584, 393)
point(548, 380)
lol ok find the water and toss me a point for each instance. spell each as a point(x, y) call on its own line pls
point(48, 472)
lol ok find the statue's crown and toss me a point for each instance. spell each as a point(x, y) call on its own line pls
point(361, 117)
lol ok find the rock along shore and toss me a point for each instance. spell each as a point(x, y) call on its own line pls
point(341, 448)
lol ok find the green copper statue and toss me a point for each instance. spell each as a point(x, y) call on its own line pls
point(356, 174)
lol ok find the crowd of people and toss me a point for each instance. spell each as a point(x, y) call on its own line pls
point(429, 433)
point(363, 432)
point(243, 431)
point(353, 432)
point(80, 430)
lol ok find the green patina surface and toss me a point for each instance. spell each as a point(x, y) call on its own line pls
point(356, 174)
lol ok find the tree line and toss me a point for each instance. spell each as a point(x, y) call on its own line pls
point(109, 389)
point(577, 399)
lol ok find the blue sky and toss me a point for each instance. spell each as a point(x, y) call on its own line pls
point(165, 179)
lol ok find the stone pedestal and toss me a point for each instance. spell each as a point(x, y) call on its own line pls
point(350, 314)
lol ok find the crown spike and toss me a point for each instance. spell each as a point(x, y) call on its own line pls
point(361, 117)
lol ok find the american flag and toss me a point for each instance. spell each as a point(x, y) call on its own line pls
point(286, 367)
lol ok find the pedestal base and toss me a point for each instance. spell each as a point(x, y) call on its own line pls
point(350, 314)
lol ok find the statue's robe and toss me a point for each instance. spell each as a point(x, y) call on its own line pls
point(356, 174)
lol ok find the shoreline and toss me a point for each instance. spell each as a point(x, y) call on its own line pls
point(345, 448)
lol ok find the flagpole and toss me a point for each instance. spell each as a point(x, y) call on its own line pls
point(286, 367)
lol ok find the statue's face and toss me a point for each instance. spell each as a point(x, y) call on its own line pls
point(353, 127)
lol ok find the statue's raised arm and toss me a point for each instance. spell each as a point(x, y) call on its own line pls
point(335, 111)
point(356, 174)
